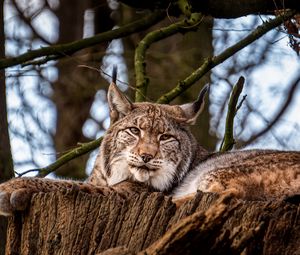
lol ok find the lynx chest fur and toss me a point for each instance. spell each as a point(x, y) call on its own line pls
point(152, 144)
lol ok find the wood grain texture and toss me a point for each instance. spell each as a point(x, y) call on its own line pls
point(74, 222)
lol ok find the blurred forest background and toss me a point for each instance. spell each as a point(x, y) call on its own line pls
point(54, 103)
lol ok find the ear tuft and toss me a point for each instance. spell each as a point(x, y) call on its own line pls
point(119, 105)
point(114, 74)
point(192, 110)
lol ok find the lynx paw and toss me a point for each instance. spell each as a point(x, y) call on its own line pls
point(5, 206)
point(15, 201)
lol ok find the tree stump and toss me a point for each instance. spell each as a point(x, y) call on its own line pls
point(74, 222)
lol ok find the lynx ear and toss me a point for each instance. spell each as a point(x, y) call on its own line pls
point(192, 110)
point(119, 105)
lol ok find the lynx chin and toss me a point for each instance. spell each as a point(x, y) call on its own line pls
point(151, 143)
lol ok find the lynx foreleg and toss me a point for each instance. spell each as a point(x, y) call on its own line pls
point(16, 193)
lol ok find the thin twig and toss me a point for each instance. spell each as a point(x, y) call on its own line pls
point(26, 172)
point(240, 104)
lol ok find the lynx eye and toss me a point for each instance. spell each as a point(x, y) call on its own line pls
point(165, 137)
point(134, 130)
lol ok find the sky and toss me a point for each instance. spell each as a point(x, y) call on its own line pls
point(265, 87)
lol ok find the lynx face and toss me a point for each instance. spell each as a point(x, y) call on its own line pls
point(149, 146)
point(147, 142)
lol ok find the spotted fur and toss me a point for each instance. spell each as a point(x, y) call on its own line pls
point(146, 145)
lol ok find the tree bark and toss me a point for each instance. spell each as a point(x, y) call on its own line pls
point(149, 223)
point(6, 163)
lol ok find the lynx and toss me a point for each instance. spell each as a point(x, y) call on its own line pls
point(151, 144)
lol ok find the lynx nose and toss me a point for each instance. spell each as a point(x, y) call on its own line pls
point(146, 157)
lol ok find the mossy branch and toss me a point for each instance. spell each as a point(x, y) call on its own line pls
point(210, 63)
point(228, 140)
point(74, 153)
point(80, 150)
point(63, 50)
point(185, 7)
point(154, 36)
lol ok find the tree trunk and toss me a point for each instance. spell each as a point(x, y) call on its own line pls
point(6, 163)
point(76, 87)
point(149, 223)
